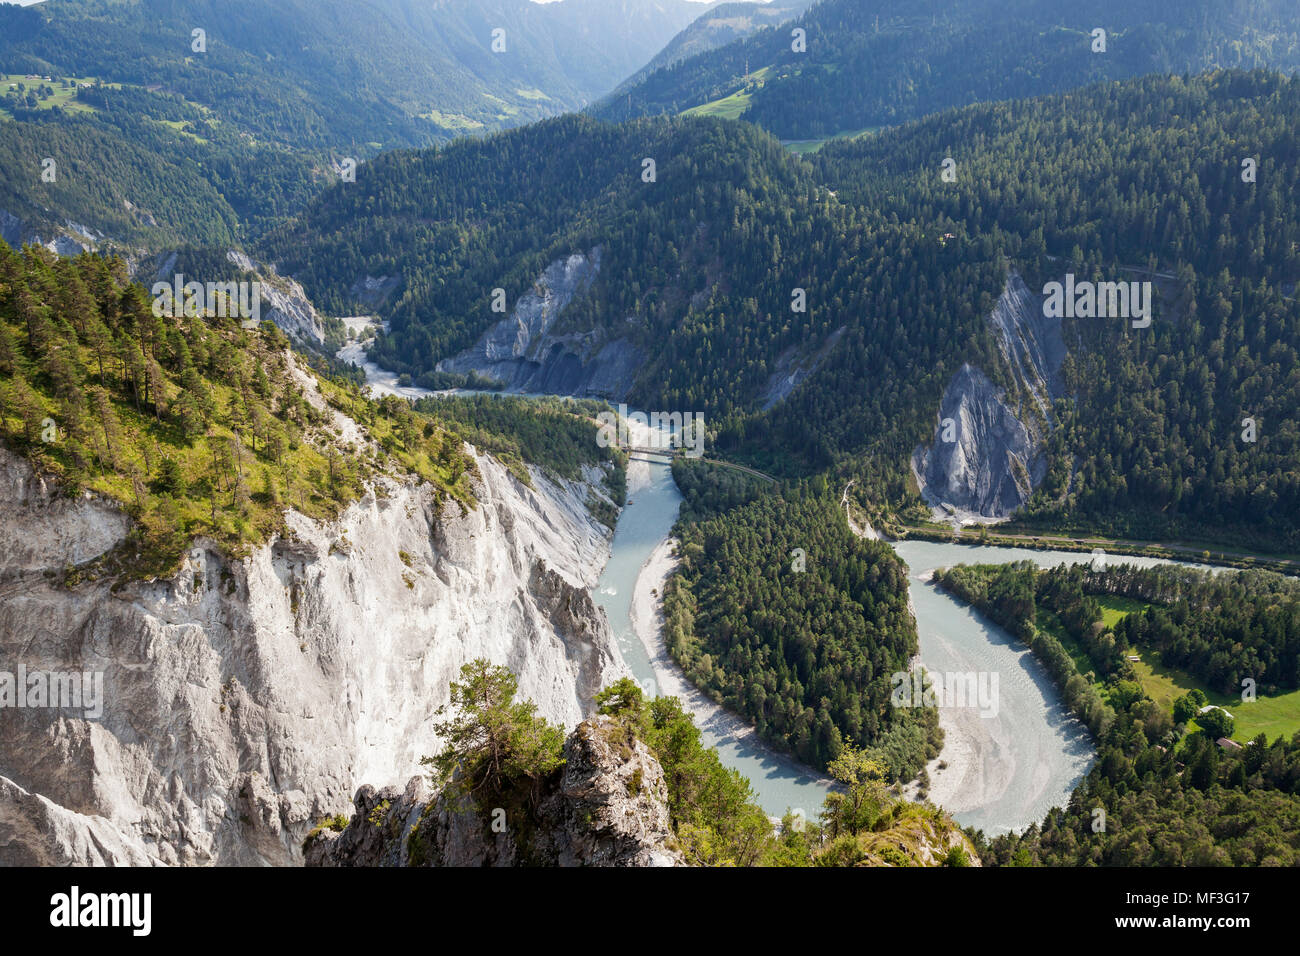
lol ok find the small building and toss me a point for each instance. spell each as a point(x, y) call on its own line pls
point(1134, 658)
point(1227, 744)
point(1209, 707)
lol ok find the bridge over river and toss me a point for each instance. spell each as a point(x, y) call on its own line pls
point(671, 453)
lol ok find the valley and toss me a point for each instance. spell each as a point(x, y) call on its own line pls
point(978, 323)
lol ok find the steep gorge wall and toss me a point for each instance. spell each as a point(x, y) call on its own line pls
point(995, 458)
point(525, 354)
point(245, 699)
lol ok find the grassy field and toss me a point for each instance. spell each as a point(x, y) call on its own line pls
point(1273, 716)
point(63, 96)
point(806, 147)
point(1115, 609)
point(729, 107)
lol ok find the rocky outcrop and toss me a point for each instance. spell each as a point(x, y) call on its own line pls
point(11, 229)
point(375, 293)
point(987, 456)
point(608, 806)
point(245, 698)
point(68, 239)
point(284, 302)
point(526, 354)
point(793, 367)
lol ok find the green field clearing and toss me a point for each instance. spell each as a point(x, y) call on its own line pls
point(806, 147)
point(1115, 609)
point(729, 107)
point(62, 98)
point(183, 128)
point(1272, 716)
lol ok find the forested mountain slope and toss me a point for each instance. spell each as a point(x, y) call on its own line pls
point(1110, 181)
point(872, 63)
point(338, 73)
point(699, 271)
point(722, 25)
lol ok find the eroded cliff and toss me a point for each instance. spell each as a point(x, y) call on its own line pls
point(525, 353)
point(987, 456)
point(245, 698)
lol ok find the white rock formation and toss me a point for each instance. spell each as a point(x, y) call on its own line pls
point(283, 301)
point(525, 354)
point(996, 458)
point(247, 698)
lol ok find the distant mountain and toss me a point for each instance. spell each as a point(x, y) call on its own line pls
point(311, 73)
point(720, 26)
point(156, 145)
point(872, 63)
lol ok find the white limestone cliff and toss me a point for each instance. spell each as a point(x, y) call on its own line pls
point(247, 698)
point(525, 353)
point(995, 458)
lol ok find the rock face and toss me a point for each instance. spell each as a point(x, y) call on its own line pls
point(284, 302)
point(526, 355)
point(244, 699)
point(793, 367)
point(988, 452)
point(68, 239)
point(608, 806)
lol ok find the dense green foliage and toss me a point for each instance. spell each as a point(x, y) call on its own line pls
point(493, 745)
point(99, 173)
point(555, 434)
point(1221, 628)
point(1168, 799)
point(881, 62)
point(709, 491)
point(782, 614)
point(1148, 174)
point(714, 811)
point(198, 426)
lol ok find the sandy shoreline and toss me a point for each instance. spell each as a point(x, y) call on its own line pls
point(713, 719)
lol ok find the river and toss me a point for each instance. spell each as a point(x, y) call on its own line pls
point(1003, 771)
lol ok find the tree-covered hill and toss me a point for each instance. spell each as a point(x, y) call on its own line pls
point(874, 63)
point(197, 425)
point(700, 268)
point(1145, 174)
point(782, 614)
